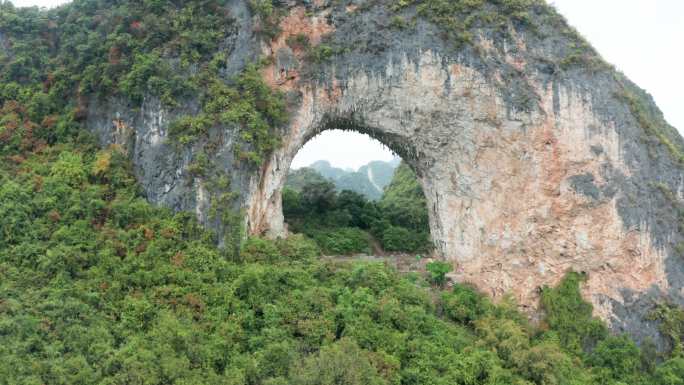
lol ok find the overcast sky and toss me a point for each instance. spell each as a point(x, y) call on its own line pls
point(642, 38)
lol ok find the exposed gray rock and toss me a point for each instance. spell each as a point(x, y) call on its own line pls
point(585, 184)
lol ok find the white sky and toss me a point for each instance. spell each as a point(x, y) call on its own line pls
point(344, 149)
point(642, 38)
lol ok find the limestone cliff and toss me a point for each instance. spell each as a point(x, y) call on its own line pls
point(535, 156)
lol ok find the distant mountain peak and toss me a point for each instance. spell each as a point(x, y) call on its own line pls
point(370, 179)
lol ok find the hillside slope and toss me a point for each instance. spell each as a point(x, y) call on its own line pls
point(535, 156)
point(99, 287)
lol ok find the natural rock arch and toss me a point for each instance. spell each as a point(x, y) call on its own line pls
point(265, 216)
point(513, 195)
point(534, 160)
point(399, 117)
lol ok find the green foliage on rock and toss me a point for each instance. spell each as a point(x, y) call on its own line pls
point(463, 23)
point(568, 315)
point(249, 104)
point(59, 60)
point(457, 18)
point(652, 122)
point(671, 318)
point(670, 373)
point(55, 62)
point(465, 305)
point(617, 359)
point(269, 17)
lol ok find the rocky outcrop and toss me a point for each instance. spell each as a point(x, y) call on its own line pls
point(531, 165)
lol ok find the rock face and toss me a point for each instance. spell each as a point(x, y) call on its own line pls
point(529, 168)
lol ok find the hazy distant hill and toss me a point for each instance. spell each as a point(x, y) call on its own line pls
point(324, 168)
point(369, 180)
point(296, 179)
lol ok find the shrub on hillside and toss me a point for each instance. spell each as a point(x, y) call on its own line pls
point(438, 271)
point(464, 305)
point(293, 248)
point(342, 241)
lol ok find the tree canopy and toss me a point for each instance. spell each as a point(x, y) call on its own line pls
point(346, 222)
point(97, 286)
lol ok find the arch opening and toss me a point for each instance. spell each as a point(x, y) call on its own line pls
point(352, 192)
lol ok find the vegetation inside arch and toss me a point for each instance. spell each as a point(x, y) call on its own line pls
point(341, 212)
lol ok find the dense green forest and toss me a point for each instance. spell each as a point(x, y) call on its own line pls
point(99, 287)
point(347, 222)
